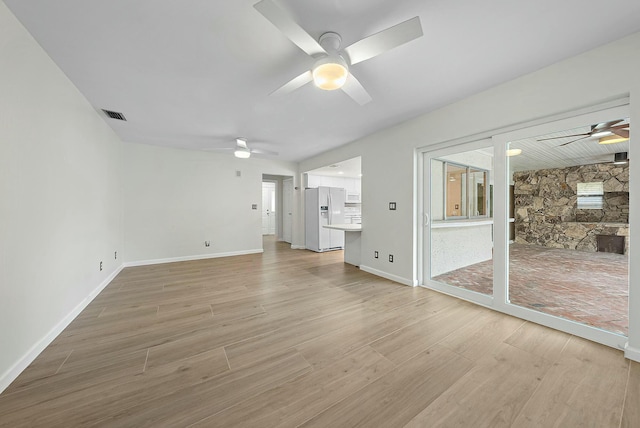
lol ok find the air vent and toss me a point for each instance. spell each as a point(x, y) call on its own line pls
point(114, 115)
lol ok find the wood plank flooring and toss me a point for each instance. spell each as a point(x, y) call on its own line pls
point(291, 338)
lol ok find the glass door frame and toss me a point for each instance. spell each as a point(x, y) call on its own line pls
point(499, 301)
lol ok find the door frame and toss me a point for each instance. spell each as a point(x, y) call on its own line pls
point(287, 215)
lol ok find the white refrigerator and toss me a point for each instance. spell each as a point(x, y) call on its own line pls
point(324, 205)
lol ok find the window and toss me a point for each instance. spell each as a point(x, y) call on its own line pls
point(590, 196)
point(465, 191)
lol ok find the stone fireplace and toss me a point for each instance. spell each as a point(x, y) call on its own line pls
point(546, 212)
point(610, 244)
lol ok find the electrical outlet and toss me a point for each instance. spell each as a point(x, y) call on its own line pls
point(207, 243)
point(392, 206)
point(100, 266)
point(115, 255)
point(375, 254)
point(391, 258)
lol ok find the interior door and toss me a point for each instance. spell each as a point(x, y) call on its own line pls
point(287, 209)
point(268, 208)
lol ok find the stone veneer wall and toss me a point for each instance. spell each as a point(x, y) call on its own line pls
point(546, 211)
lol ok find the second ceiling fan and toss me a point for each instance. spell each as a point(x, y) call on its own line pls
point(604, 129)
point(330, 70)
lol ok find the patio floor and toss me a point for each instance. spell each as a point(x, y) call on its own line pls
point(591, 288)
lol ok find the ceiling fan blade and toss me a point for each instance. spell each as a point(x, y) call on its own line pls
point(621, 132)
point(219, 148)
point(385, 40)
point(573, 141)
point(355, 90)
point(564, 136)
point(264, 152)
point(293, 84)
point(605, 125)
point(623, 126)
point(289, 27)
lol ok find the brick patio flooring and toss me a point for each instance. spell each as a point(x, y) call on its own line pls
point(591, 288)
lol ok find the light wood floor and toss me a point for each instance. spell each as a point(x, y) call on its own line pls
point(294, 338)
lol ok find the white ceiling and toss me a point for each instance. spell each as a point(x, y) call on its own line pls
point(544, 154)
point(196, 74)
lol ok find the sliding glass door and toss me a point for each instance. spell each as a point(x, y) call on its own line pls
point(569, 254)
point(459, 232)
point(535, 223)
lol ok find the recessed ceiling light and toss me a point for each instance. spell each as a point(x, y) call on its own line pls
point(340, 172)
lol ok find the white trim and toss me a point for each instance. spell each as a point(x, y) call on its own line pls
point(14, 371)
point(631, 353)
point(390, 276)
point(298, 247)
point(190, 258)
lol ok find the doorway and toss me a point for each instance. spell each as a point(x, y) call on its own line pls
point(278, 207)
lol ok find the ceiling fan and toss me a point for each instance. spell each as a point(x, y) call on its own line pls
point(605, 130)
point(330, 70)
point(242, 150)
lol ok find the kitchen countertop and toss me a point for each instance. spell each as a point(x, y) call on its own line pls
point(346, 227)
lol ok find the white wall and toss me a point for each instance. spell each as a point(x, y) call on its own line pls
point(60, 199)
point(459, 246)
point(177, 199)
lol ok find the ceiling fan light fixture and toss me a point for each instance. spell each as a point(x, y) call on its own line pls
point(612, 139)
point(330, 73)
point(242, 153)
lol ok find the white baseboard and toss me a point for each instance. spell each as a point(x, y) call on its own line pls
point(387, 275)
point(632, 353)
point(13, 372)
point(298, 247)
point(190, 258)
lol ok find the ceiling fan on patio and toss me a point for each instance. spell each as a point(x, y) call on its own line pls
point(607, 132)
